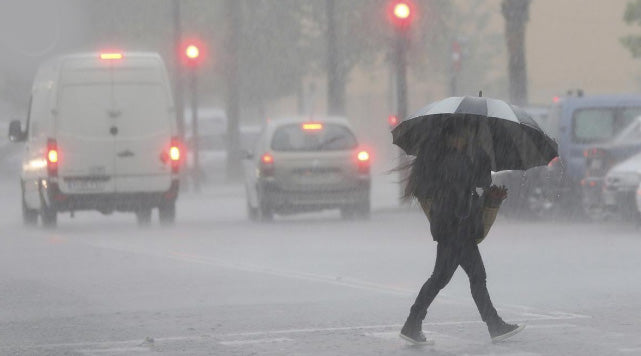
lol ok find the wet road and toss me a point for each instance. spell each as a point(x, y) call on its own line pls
point(312, 284)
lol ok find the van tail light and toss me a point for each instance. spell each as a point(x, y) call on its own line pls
point(267, 165)
point(53, 157)
point(175, 154)
point(363, 161)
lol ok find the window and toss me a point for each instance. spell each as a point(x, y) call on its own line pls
point(330, 137)
point(593, 125)
point(602, 124)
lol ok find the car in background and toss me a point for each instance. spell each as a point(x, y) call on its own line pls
point(101, 134)
point(300, 165)
point(620, 188)
point(604, 176)
point(524, 197)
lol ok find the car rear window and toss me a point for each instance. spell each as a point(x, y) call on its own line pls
point(314, 137)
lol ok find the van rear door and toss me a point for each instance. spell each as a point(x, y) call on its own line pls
point(85, 144)
point(143, 122)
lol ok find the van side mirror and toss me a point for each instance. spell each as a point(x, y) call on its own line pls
point(15, 132)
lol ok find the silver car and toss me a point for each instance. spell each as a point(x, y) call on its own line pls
point(303, 165)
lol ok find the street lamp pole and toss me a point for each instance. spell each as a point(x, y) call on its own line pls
point(401, 15)
point(194, 124)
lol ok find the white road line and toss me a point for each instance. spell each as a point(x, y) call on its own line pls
point(135, 344)
point(255, 341)
point(346, 282)
point(525, 312)
point(630, 349)
point(115, 350)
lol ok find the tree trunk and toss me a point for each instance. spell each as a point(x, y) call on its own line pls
point(233, 164)
point(516, 13)
point(335, 78)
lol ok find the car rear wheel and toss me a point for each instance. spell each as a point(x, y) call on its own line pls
point(360, 210)
point(167, 213)
point(29, 216)
point(143, 217)
point(252, 213)
point(266, 212)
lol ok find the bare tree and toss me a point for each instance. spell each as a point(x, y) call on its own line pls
point(516, 13)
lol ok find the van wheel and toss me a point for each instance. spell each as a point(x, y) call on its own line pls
point(363, 209)
point(167, 213)
point(29, 216)
point(49, 216)
point(266, 212)
point(252, 213)
point(143, 217)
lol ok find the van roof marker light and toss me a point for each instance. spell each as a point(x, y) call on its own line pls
point(111, 55)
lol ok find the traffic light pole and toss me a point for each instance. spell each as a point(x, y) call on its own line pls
point(196, 174)
point(400, 64)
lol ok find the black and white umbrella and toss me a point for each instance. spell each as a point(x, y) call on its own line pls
point(510, 137)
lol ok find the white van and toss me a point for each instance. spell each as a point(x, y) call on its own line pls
point(101, 134)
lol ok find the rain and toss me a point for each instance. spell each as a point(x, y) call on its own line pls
point(306, 177)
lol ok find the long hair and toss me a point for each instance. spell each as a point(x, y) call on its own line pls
point(422, 171)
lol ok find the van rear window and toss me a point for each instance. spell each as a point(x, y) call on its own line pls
point(601, 124)
point(314, 137)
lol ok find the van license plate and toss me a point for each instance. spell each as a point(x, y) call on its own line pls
point(86, 185)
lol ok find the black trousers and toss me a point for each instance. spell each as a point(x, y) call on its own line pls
point(448, 258)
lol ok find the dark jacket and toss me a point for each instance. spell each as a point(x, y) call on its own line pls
point(450, 180)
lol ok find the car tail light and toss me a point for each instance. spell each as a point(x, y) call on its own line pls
point(554, 162)
point(267, 165)
point(53, 157)
point(362, 161)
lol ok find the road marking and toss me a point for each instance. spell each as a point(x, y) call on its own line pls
point(630, 349)
point(135, 344)
point(255, 341)
point(525, 312)
point(115, 350)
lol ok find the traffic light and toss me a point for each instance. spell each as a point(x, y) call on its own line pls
point(401, 13)
point(392, 121)
point(192, 53)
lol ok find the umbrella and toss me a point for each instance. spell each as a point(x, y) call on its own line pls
point(510, 137)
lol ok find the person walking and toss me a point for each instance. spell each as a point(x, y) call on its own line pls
point(444, 179)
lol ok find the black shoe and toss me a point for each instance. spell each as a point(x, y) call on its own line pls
point(501, 330)
point(415, 336)
point(412, 332)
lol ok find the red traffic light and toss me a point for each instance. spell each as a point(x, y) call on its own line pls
point(192, 53)
point(392, 120)
point(401, 13)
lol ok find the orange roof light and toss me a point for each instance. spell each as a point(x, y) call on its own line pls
point(312, 126)
point(111, 55)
